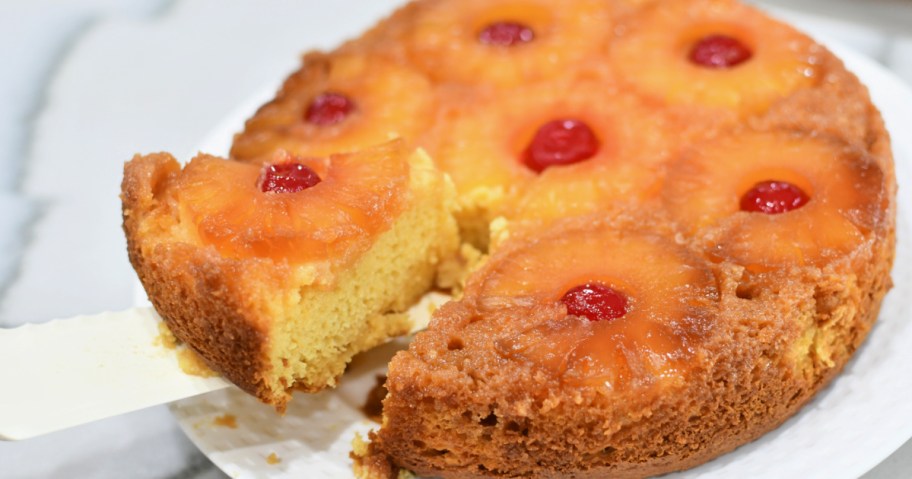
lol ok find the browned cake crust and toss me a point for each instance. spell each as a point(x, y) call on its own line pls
point(201, 295)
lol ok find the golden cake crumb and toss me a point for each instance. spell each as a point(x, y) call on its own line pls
point(226, 420)
point(454, 270)
point(165, 337)
point(273, 459)
point(188, 361)
point(191, 364)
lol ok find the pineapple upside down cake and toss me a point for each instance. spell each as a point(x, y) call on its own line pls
point(684, 210)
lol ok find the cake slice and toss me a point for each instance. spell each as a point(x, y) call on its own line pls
point(276, 275)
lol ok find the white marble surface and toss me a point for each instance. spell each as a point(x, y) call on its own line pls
point(88, 83)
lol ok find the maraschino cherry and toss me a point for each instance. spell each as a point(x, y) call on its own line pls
point(773, 197)
point(329, 108)
point(560, 142)
point(595, 302)
point(506, 34)
point(719, 51)
point(287, 178)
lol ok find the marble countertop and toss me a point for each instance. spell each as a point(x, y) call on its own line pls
point(88, 83)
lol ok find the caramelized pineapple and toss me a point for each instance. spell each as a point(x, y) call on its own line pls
point(717, 53)
point(337, 103)
point(505, 43)
point(565, 192)
point(621, 322)
point(355, 197)
point(770, 199)
point(545, 151)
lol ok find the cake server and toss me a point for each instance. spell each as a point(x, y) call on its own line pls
point(72, 371)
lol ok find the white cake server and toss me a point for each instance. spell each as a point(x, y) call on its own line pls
point(73, 371)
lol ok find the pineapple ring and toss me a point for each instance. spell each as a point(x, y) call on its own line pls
point(653, 56)
point(358, 197)
point(704, 189)
point(669, 298)
point(635, 141)
point(443, 39)
point(389, 102)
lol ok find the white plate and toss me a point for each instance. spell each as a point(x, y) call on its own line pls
point(846, 430)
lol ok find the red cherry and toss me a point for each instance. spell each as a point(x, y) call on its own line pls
point(287, 178)
point(595, 302)
point(560, 142)
point(773, 197)
point(719, 51)
point(506, 34)
point(329, 108)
